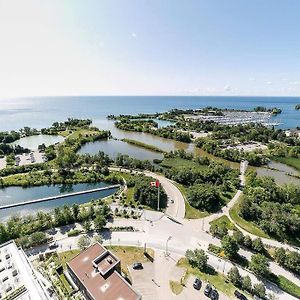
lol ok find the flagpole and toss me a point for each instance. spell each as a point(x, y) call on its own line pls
point(158, 197)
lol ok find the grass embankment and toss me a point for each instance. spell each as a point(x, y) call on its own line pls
point(218, 280)
point(248, 226)
point(224, 220)
point(287, 285)
point(143, 145)
point(128, 255)
point(190, 211)
point(290, 161)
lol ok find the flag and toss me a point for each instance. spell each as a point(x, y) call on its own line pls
point(155, 183)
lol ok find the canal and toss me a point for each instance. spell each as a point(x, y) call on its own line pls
point(15, 194)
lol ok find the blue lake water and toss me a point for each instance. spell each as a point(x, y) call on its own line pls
point(41, 112)
point(14, 194)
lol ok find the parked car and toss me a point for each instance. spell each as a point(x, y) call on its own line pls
point(53, 246)
point(197, 284)
point(240, 295)
point(207, 290)
point(214, 295)
point(137, 266)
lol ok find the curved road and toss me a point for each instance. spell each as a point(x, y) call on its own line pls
point(175, 210)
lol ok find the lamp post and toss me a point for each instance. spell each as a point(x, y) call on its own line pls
point(167, 250)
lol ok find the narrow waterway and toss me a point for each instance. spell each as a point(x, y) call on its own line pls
point(14, 194)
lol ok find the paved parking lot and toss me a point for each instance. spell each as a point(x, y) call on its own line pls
point(190, 293)
point(143, 281)
point(153, 282)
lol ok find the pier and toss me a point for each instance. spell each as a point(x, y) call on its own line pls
point(51, 198)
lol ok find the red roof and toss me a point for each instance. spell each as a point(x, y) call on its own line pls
point(92, 268)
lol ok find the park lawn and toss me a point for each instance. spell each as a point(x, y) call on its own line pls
point(178, 163)
point(290, 161)
point(248, 226)
point(176, 287)
point(66, 256)
point(222, 220)
point(128, 255)
point(218, 280)
point(190, 211)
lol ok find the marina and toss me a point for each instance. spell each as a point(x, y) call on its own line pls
point(237, 118)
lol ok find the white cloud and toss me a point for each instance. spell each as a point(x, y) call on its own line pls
point(227, 88)
point(251, 79)
point(269, 82)
point(294, 83)
point(133, 34)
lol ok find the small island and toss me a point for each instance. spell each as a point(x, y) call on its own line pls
point(297, 107)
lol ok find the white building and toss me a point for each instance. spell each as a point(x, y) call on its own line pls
point(17, 276)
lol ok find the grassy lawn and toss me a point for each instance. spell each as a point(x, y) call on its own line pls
point(66, 256)
point(176, 287)
point(178, 162)
point(288, 286)
point(190, 211)
point(128, 255)
point(222, 220)
point(248, 226)
point(218, 280)
point(290, 161)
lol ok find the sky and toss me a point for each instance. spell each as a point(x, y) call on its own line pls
point(149, 47)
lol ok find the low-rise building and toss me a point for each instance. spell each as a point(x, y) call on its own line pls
point(293, 133)
point(17, 276)
point(97, 273)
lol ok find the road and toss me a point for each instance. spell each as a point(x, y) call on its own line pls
point(156, 228)
point(175, 210)
point(155, 235)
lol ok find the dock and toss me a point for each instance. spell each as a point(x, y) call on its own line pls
point(51, 198)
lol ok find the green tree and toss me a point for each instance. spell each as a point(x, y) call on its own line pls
point(293, 261)
point(247, 284)
point(87, 225)
point(218, 230)
point(239, 237)
point(258, 246)
point(280, 256)
point(100, 222)
point(204, 197)
point(38, 238)
point(83, 242)
point(197, 258)
point(235, 277)
point(259, 264)
point(259, 290)
point(229, 246)
point(248, 242)
point(4, 236)
point(75, 211)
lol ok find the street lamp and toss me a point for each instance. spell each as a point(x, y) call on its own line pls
point(167, 252)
